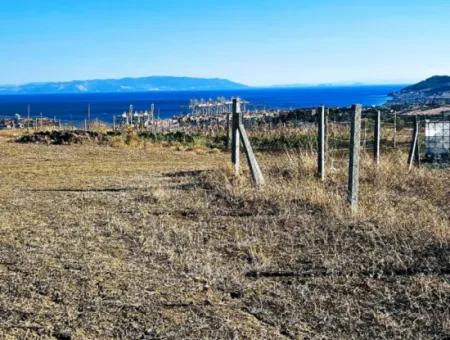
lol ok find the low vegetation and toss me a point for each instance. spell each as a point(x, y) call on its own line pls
point(150, 237)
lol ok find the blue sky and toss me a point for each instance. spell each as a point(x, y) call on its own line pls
point(257, 42)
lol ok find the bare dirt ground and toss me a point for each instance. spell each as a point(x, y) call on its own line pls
point(156, 242)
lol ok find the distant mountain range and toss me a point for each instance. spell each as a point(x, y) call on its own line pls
point(434, 90)
point(144, 84)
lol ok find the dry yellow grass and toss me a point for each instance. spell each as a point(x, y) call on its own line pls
point(150, 242)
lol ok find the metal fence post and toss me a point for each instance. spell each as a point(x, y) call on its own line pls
point(353, 169)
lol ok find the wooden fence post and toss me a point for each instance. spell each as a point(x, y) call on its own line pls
point(377, 136)
point(353, 169)
point(253, 164)
point(327, 115)
point(364, 123)
point(321, 143)
point(235, 140)
point(414, 152)
point(239, 134)
point(228, 130)
point(395, 129)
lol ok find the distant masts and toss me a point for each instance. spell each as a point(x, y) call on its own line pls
point(140, 118)
point(218, 106)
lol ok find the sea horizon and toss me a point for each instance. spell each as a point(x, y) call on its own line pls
point(103, 106)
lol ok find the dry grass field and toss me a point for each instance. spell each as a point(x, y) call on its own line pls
point(155, 241)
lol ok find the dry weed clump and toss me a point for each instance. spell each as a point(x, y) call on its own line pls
point(161, 242)
point(117, 142)
point(132, 139)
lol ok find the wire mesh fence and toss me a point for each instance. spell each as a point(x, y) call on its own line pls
point(294, 129)
point(437, 140)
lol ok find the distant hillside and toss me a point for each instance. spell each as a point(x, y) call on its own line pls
point(145, 84)
point(434, 90)
point(436, 84)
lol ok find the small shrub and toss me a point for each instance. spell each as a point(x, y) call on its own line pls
point(132, 139)
point(117, 141)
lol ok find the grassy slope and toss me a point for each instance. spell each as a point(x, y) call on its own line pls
point(134, 242)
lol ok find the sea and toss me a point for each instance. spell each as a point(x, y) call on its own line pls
point(74, 107)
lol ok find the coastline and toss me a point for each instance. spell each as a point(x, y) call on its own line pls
point(74, 107)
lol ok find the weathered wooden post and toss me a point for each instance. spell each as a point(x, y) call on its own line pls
point(414, 152)
point(239, 134)
point(377, 137)
point(253, 164)
point(228, 130)
point(321, 143)
point(353, 169)
point(395, 129)
point(114, 123)
point(364, 123)
point(327, 115)
point(85, 125)
point(235, 138)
